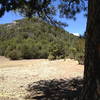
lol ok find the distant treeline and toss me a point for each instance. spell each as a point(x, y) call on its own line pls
point(35, 39)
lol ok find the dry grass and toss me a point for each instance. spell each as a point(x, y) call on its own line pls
point(15, 75)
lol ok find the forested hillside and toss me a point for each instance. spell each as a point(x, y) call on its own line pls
point(33, 38)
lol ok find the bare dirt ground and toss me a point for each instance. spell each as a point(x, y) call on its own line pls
point(16, 75)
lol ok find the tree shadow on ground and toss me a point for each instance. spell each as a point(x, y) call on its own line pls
point(62, 89)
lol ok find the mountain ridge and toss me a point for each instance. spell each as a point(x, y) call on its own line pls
point(34, 38)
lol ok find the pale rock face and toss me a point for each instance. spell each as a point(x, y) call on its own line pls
point(14, 22)
point(76, 34)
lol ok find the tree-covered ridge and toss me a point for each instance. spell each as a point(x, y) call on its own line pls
point(33, 38)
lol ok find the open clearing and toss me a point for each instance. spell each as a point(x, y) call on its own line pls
point(16, 75)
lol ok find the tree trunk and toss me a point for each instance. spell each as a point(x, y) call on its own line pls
point(91, 88)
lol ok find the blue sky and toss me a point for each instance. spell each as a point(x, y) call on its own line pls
point(10, 17)
point(77, 26)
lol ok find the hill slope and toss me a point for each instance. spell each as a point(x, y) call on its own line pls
point(26, 39)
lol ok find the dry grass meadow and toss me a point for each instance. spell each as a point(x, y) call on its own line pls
point(16, 75)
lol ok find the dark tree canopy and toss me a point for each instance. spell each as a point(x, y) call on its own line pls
point(69, 8)
point(45, 9)
point(29, 7)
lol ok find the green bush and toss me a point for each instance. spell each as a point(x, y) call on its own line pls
point(43, 54)
point(26, 51)
point(80, 58)
point(60, 57)
point(2, 50)
point(57, 50)
point(9, 49)
point(14, 55)
point(51, 57)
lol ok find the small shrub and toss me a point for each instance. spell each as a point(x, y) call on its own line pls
point(27, 54)
point(14, 55)
point(60, 57)
point(2, 50)
point(9, 49)
point(51, 57)
point(27, 51)
point(80, 58)
point(43, 54)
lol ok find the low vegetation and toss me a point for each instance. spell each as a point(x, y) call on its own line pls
point(35, 39)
